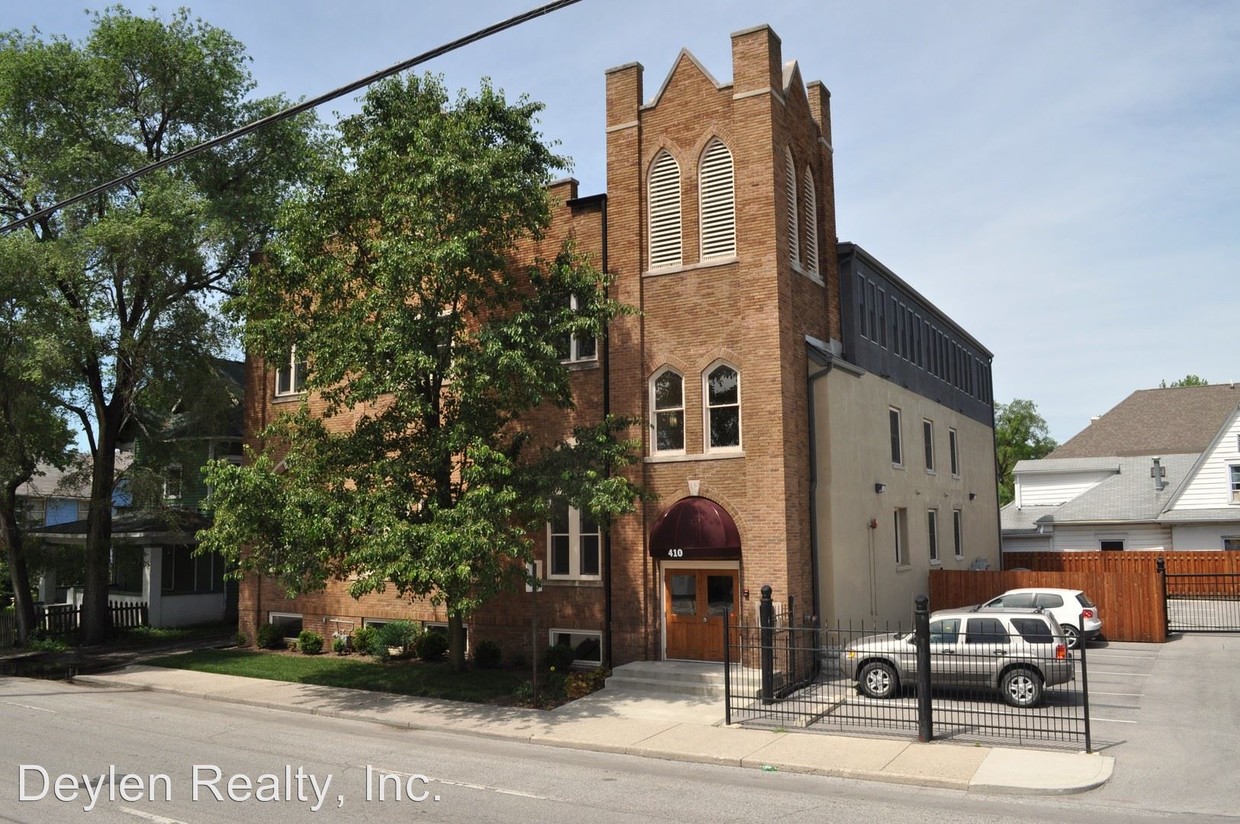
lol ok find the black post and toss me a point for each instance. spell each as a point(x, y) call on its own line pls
point(1085, 689)
point(727, 666)
point(791, 645)
point(921, 638)
point(766, 622)
point(1160, 564)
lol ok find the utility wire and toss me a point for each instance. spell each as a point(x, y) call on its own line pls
point(306, 105)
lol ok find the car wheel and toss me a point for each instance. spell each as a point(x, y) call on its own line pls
point(878, 679)
point(1071, 634)
point(1021, 687)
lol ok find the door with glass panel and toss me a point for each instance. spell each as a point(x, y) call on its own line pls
point(694, 601)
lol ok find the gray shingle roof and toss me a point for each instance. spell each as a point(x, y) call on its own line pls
point(1128, 495)
point(1033, 467)
point(1023, 519)
point(1156, 422)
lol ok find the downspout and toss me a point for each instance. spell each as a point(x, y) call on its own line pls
point(813, 492)
point(607, 612)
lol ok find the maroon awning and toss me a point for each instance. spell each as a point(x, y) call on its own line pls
point(695, 529)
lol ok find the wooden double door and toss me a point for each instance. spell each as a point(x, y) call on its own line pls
point(694, 601)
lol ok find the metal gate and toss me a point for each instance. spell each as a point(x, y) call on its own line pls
point(1201, 601)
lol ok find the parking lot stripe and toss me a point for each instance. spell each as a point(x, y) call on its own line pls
point(1129, 674)
point(1124, 694)
point(1113, 720)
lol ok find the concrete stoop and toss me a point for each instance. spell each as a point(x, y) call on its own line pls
point(697, 678)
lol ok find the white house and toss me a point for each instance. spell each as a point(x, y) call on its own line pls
point(1159, 471)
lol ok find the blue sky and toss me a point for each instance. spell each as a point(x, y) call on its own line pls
point(1062, 178)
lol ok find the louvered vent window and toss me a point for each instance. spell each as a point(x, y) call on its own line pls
point(794, 227)
point(809, 199)
point(665, 243)
point(718, 203)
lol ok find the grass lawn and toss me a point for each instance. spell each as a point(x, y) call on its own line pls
point(402, 677)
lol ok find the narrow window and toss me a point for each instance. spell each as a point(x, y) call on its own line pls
point(172, 482)
point(862, 307)
point(723, 408)
point(810, 198)
point(291, 374)
point(927, 432)
point(932, 534)
point(901, 536)
point(953, 452)
point(575, 348)
point(958, 532)
point(897, 449)
point(718, 202)
point(882, 318)
point(669, 412)
point(665, 239)
point(1235, 483)
point(790, 194)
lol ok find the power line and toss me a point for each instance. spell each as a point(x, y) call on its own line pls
point(306, 105)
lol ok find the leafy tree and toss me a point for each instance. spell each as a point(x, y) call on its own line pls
point(1187, 380)
point(140, 268)
point(426, 346)
point(31, 429)
point(1021, 434)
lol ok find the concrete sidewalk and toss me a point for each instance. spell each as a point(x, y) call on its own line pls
point(655, 726)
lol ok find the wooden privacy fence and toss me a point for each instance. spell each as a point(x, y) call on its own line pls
point(1129, 601)
point(1201, 563)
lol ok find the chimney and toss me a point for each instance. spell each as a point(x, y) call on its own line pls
point(1158, 472)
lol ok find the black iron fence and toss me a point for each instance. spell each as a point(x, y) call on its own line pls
point(974, 682)
point(1201, 601)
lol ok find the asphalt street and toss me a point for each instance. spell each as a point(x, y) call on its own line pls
point(173, 746)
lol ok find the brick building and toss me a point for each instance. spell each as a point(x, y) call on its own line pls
point(812, 423)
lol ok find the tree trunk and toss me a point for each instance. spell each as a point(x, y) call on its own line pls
point(19, 575)
point(96, 616)
point(456, 642)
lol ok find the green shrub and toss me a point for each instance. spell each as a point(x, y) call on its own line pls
point(241, 640)
point(581, 684)
point(310, 642)
point(270, 636)
point(399, 635)
point(487, 655)
point(433, 646)
point(559, 657)
point(364, 640)
point(340, 644)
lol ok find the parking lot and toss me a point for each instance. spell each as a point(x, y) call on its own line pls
point(1117, 674)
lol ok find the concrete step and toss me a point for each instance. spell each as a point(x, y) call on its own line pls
point(671, 677)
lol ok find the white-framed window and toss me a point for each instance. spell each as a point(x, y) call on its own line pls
point(32, 511)
point(667, 391)
point(953, 452)
point(897, 444)
point(577, 348)
point(958, 532)
point(900, 524)
point(717, 199)
point(83, 509)
point(288, 622)
point(291, 375)
point(1231, 543)
point(722, 390)
point(790, 205)
point(1234, 471)
point(586, 644)
point(809, 198)
point(664, 206)
point(927, 434)
point(172, 482)
point(932, 534)
point(573, 543)
point(1111, 544)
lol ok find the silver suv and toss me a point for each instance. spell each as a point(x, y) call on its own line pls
point(1016, 651)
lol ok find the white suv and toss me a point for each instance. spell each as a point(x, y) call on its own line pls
point(1071, 608)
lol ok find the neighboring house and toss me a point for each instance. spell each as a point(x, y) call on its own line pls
point(812, 423)
point(155, 525)
point(1160, 471)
